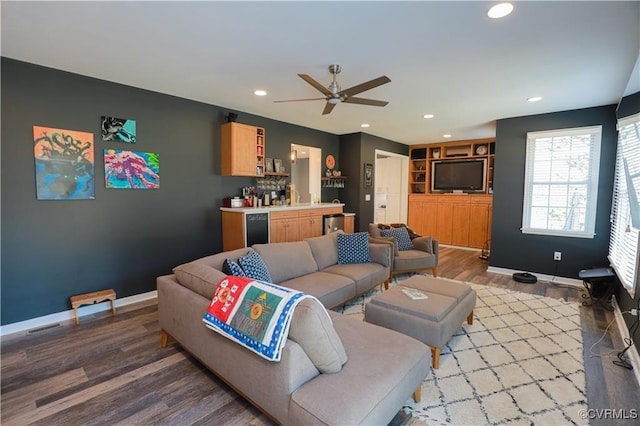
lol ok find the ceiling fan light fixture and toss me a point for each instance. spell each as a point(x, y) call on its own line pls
point(334, 101)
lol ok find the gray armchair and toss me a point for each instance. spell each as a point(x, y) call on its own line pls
point(423, 257)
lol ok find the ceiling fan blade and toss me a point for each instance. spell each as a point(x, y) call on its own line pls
point(363, 101)
point(315, 84)
point(300, 100)
point(328, 108)
point(366, 86)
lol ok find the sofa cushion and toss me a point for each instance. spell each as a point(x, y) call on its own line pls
point(199, 278)
point(401, 235)
point(287, 260)
point(231, 267)
point(254, 267)
point(353, 248)
point(313, 330)
point(331, 289)
point(324, 249)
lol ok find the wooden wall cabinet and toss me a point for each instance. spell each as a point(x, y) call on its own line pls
point(459, 220)
point(243, 150)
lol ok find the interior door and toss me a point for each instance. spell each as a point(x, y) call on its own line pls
point(388, 190)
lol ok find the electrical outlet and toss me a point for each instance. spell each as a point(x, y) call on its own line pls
point(557, 255)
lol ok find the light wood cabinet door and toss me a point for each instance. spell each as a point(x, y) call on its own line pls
point(460, 224)
point(309, 224)
point(349, 224)
point(239, 149)
point(284, 227)
point(444, 222)
point(480, 225)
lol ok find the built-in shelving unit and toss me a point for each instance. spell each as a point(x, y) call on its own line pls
point(423, 156)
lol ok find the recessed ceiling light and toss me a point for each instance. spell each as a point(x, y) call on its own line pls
point(364, 125)
point(260, 93)
point(535, 99)
point(500, 10)
point(428, 116)
point(447, 135)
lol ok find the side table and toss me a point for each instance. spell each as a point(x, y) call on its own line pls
point(600, 285)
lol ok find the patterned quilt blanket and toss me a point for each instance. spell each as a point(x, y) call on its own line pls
point(255, 314)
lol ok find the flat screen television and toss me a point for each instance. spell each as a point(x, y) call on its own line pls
point(459, 175)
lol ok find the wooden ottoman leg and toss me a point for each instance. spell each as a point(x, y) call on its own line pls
point(434, 272)
point(164, 338)
point(470, 318)
point(386, 284)
point(435, 357)
point(417, 394)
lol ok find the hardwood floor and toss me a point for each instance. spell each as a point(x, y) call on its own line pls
point(112, 370)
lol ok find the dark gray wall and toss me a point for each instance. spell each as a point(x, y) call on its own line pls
point(357, 149)
point(512, 249)
point(123, 239)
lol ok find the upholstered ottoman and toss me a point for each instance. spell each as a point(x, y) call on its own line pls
point(432, 320)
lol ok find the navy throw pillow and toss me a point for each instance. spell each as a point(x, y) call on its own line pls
point(231, 267)
point(254, 267)
point(353, 248)
point(401, 235)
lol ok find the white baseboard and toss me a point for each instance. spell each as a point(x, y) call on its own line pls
point(542, 277)
point(632, 353)
point(69, 315)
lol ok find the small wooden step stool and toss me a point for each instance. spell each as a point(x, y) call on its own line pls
point(91, 298)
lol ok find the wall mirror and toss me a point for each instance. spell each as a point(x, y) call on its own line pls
point(306, 171)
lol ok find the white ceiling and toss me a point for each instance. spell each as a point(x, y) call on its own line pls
point(444, 58)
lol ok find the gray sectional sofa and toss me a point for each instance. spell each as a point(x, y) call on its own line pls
point(382, 369)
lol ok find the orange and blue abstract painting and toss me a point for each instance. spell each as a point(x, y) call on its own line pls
point(131, 169)
point(64, 164)
point(118, 130)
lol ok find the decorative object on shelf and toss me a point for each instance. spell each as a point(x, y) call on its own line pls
point(131, 170)
point(329, 173)
point(337, 173)
point(368, 175)
point(481, 150)
point(330, 161)
point(277, 165)
point(118, 130)
point(268, 165)
point(64, 164)
point(436, 153)
point(232, 117)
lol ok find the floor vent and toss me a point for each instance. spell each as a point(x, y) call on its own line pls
point(37, 330)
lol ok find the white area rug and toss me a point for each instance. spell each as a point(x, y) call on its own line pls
point(519, 363)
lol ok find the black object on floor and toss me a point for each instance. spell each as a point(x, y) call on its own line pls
point(525, 277)
point(600, 286)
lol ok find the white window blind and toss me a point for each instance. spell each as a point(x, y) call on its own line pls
point(625, 210)
point(561, 182)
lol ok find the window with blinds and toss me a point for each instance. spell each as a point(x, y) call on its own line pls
point(561, 182)
point(625, 210)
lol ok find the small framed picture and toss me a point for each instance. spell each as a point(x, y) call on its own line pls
point(277, 165)
point(268, 165)
point(368, 175)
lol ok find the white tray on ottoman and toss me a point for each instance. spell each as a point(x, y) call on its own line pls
point(432, 320)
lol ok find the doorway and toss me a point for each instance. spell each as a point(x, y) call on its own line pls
point(391, 196)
